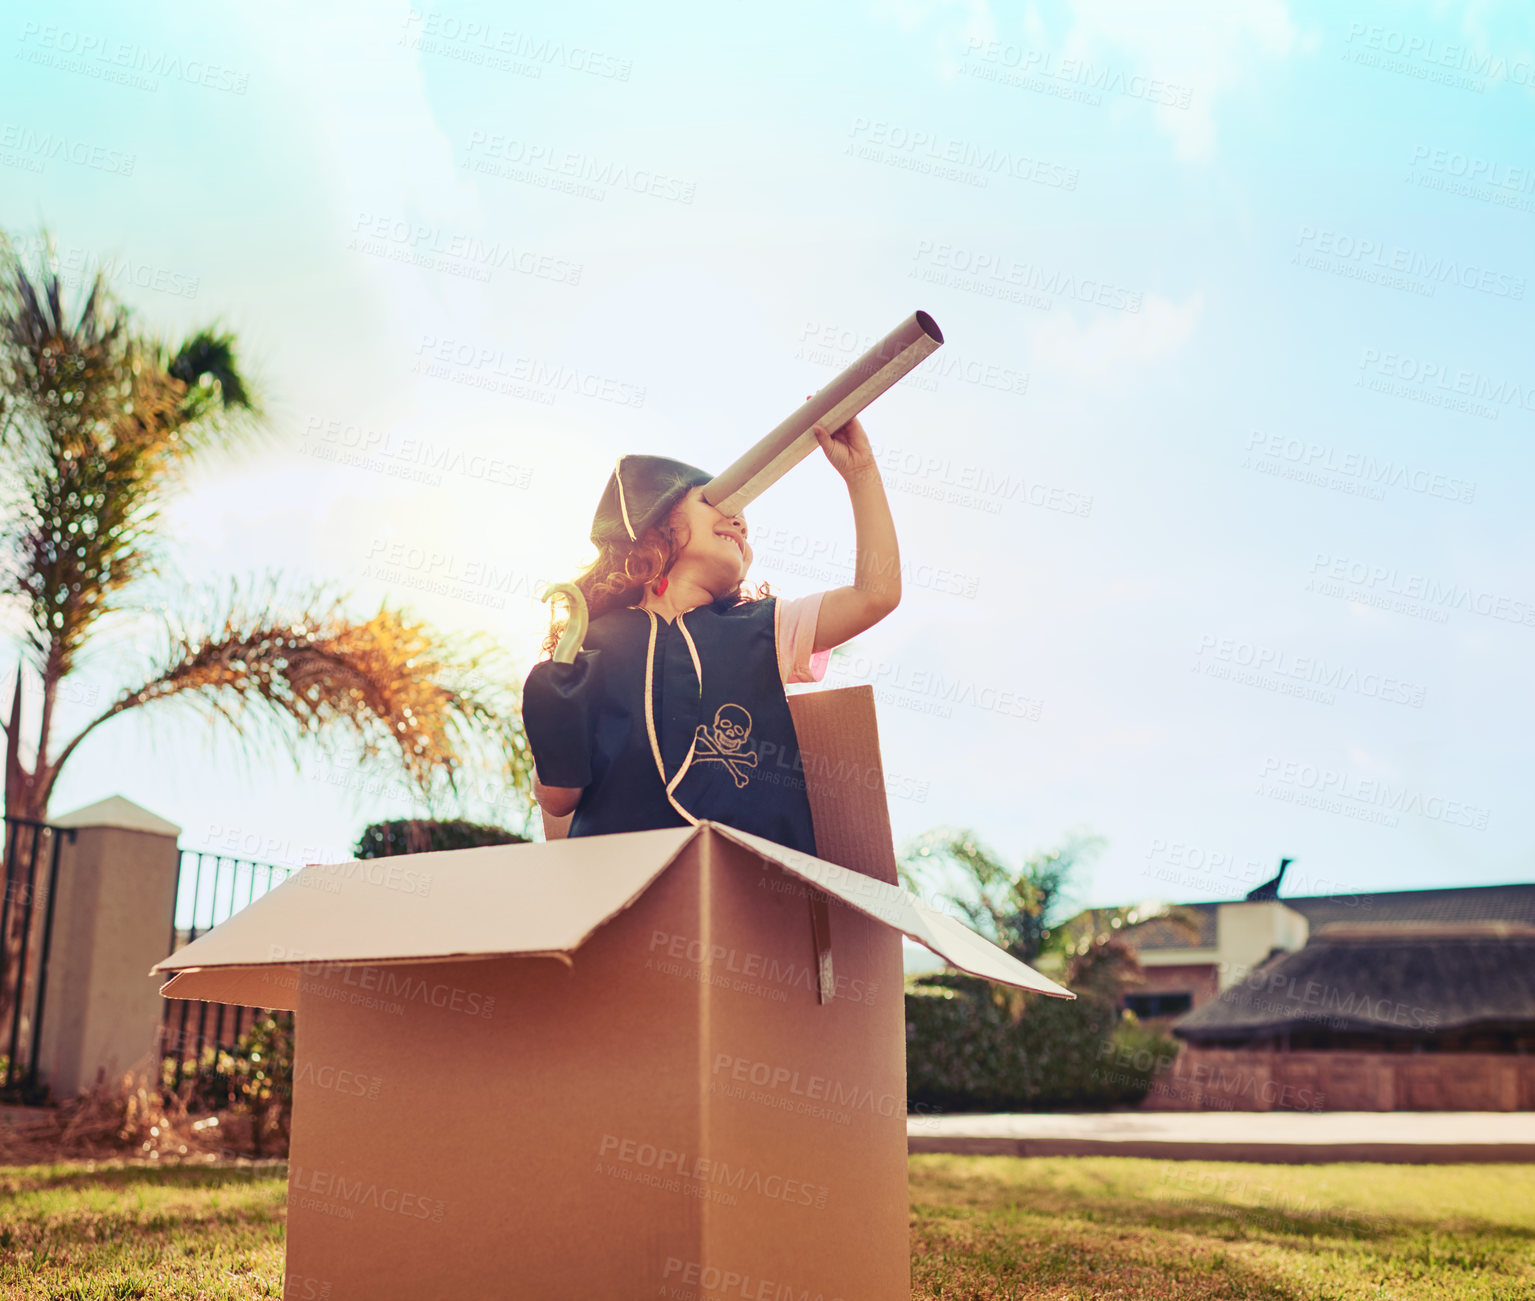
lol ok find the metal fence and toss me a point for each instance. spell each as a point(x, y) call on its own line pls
point(26, 933)
point(211, 888)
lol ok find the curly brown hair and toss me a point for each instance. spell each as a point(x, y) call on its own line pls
point(617, 578)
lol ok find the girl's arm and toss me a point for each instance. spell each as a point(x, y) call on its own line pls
point(558, 804)
point(876, 588)
point(556, 801)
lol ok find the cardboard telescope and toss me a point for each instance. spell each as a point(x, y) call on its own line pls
point(857, 386)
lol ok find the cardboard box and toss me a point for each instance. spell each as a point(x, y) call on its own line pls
point(667, 1063)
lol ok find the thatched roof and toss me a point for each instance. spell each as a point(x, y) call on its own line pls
point(1478, 903)
point(1474, 903)
point(1396, 977)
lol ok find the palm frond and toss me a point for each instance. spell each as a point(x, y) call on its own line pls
point(209, 356)
point(437, 708)
point(1012, 907)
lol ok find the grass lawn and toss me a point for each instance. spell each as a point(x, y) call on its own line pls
point(982, 1227)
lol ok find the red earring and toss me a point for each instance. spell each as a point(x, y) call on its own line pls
point(660, 586)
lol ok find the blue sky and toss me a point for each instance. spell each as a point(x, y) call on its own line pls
point(1214, 505)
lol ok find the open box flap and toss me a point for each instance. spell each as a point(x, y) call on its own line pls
point(274, 986)
point(541, 898)
point(246, 986)
point(494, 899)
point(898, 908)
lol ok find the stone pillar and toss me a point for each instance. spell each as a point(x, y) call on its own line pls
point(111, 923)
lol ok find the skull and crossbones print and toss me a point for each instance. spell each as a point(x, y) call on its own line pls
point(722, 743)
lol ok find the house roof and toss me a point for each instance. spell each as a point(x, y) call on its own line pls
point(1402, 977)
point(1477, 903)
point(1161, 933)
point(539, 898)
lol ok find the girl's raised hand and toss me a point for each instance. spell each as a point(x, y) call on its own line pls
point(848, 449)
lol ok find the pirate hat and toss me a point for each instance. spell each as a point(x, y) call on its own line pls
point(640, 492)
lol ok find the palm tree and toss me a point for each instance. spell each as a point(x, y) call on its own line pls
point(99, 422)
point(1019, 909)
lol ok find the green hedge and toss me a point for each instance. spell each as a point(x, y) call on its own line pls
point(427, 835)
point(964, 1051)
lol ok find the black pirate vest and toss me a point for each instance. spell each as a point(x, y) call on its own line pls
point(692, 723)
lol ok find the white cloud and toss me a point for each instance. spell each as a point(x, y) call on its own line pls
point(1206, 47)
point(1107, 346)
point(1497, 31)
point(962, 25)
point(1209, 46)
point(346, 72)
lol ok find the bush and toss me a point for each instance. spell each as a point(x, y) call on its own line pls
point(250, 1087)
point(424, 835)
point(965, 1051)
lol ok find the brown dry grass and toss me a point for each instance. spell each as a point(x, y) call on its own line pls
point(125, 1117)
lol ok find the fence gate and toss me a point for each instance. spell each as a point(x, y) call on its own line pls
point(26, 933)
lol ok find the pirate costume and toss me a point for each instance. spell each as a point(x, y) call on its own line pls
point(666, 724)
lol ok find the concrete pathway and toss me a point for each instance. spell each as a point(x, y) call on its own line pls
point(1276, 1136)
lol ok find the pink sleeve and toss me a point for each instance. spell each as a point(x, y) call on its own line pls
point(797, 662)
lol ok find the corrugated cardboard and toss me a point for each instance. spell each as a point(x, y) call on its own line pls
point(845, 779)
point(659, 1064)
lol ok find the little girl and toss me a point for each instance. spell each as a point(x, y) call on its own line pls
point(674, 710)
